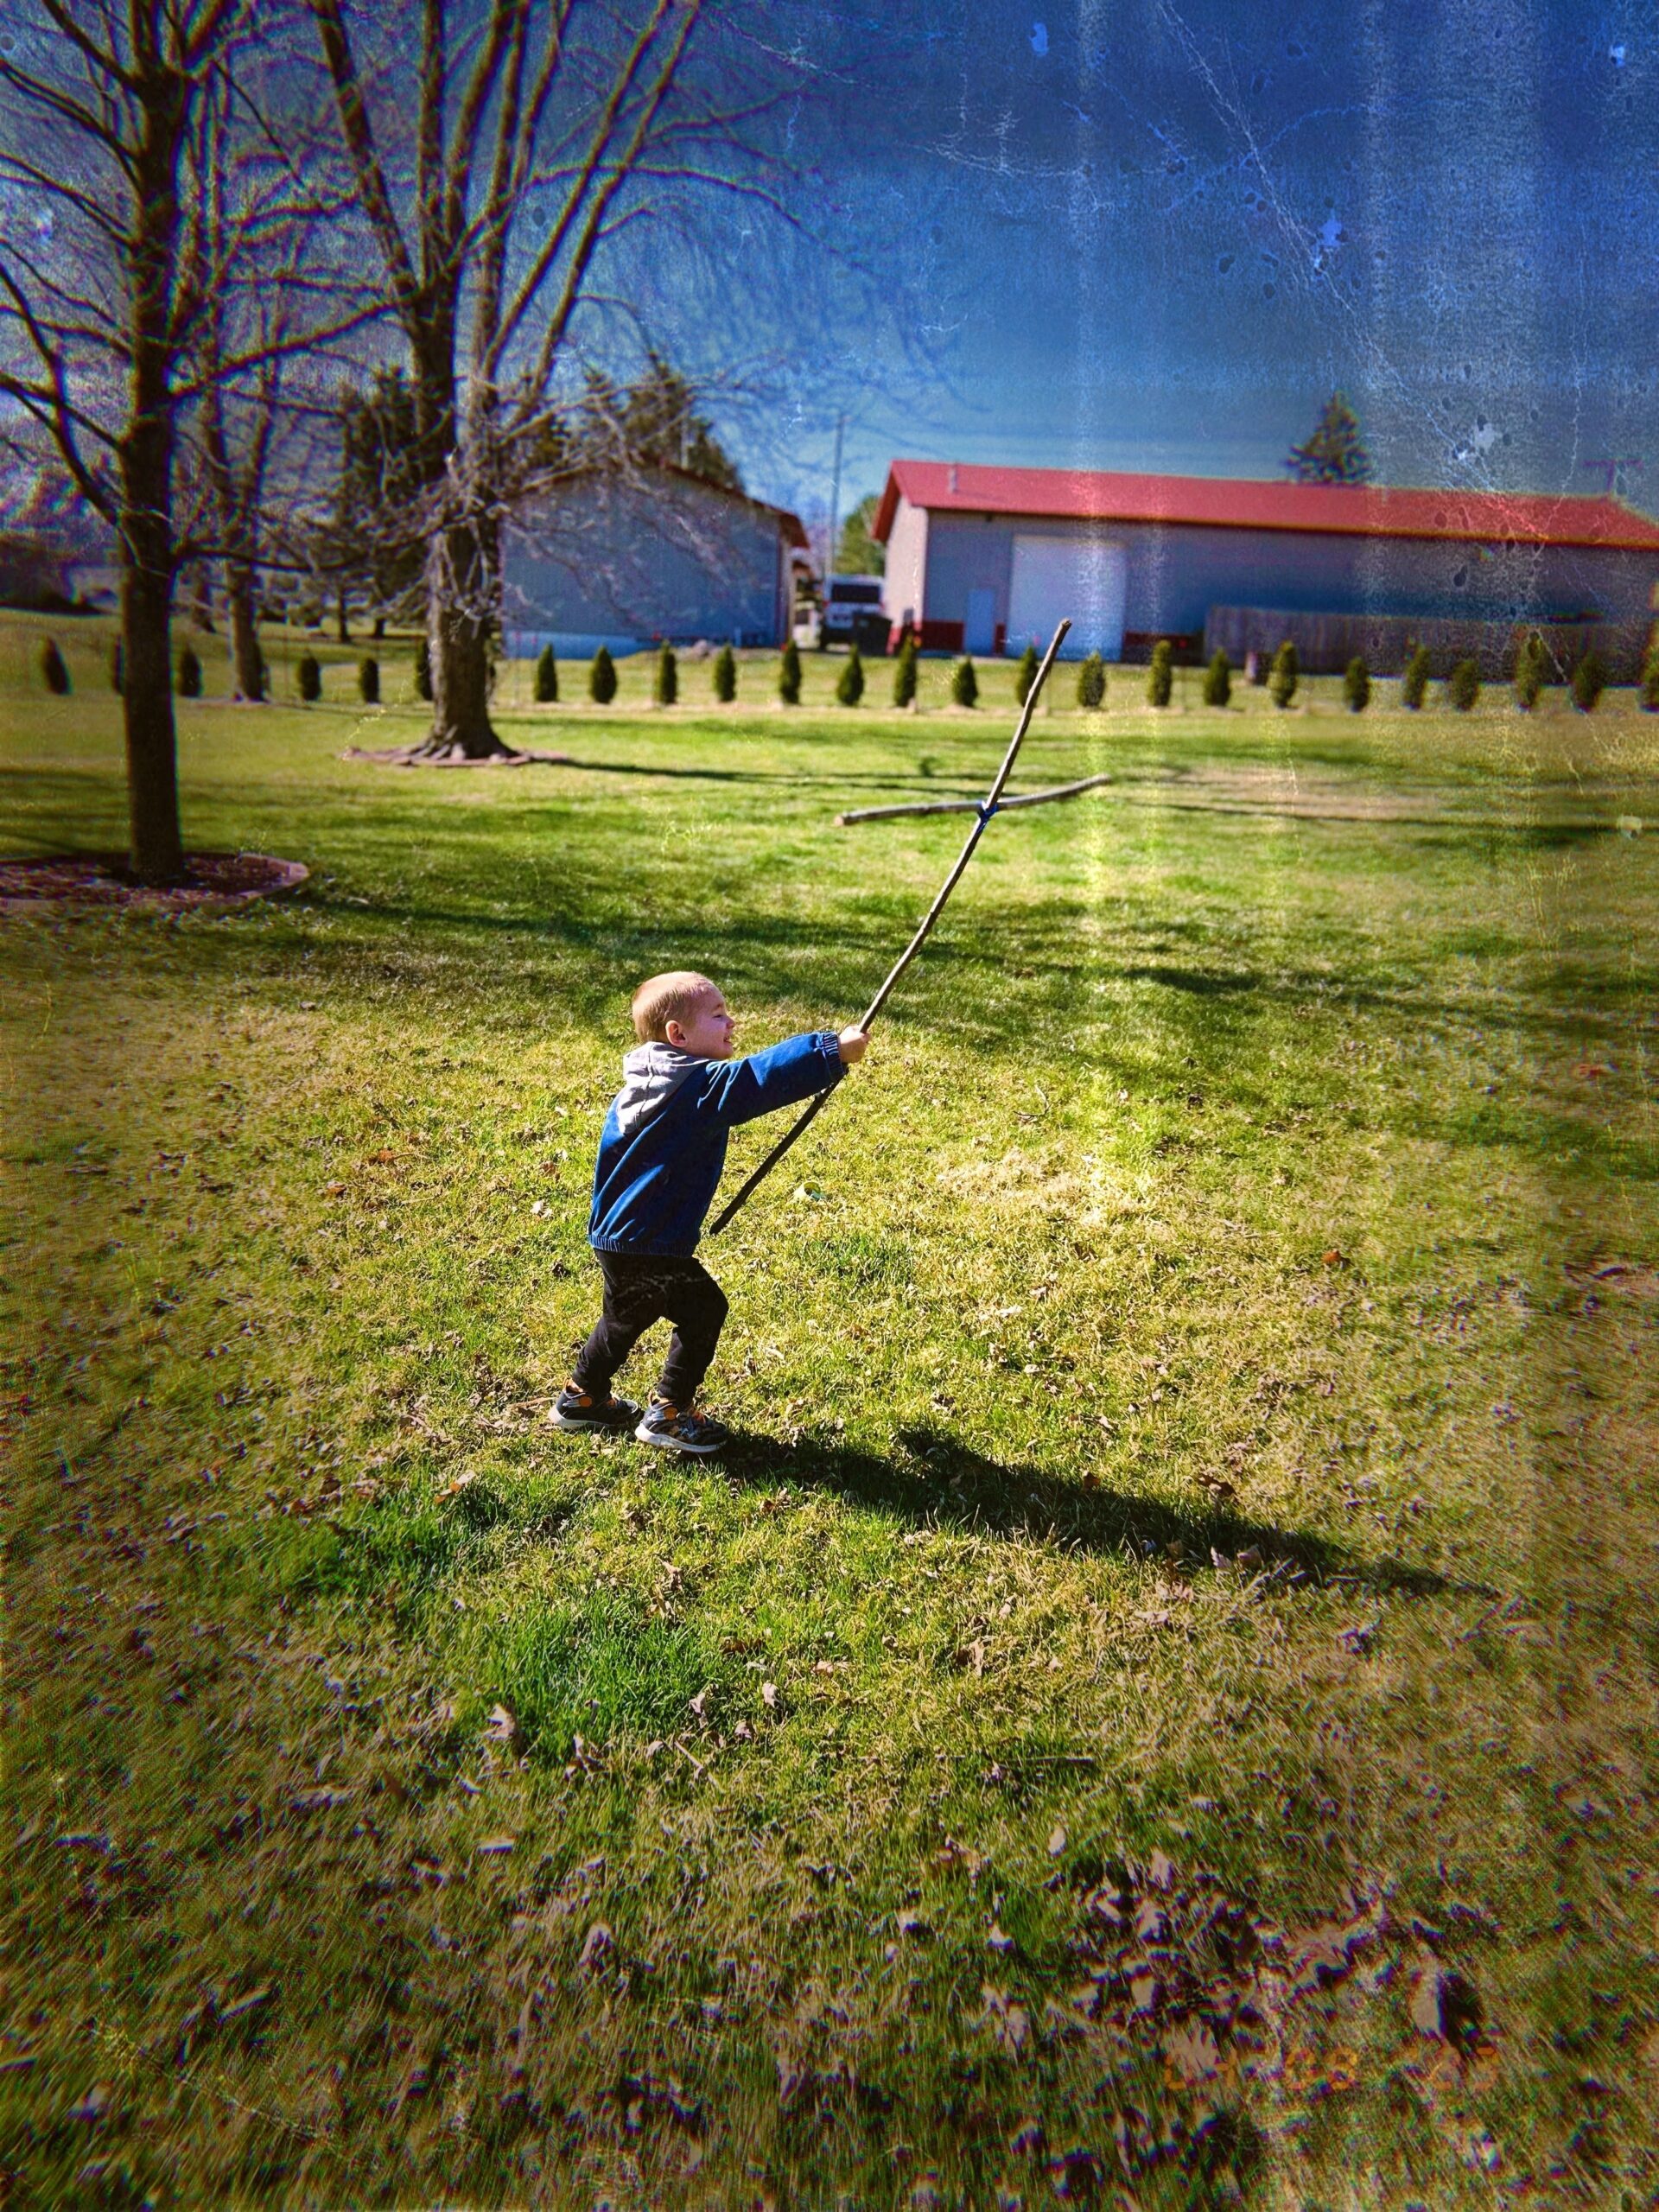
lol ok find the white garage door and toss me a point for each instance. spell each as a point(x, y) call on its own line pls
point(1085, 578)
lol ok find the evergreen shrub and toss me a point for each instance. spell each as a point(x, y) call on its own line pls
point(55, 670)
point(1589, 682)
point(1161, 674)
point(1531, 669)
point(1357, 685)
point(547, 678)
point(789, 675)
point(850, 684)
point(964, 683)
point(1282, 677)
point(1218, 681)
point(368, 680)
point(423, 670)
point(1414, 684)
point(1649, 686)
point(666, 688)
point(1091, 682)
point(1463, 685)
point(725, 676)
point(904, 674)
point(1025, 675)
point(189, 676)
point(602, 678)
point(308, 674)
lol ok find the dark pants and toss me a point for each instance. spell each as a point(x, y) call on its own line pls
point(641, 1288)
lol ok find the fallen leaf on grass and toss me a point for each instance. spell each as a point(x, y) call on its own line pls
point(1192, 2051)
point(1161, 1871)
point(456, 1484)
point(1009, 2023)
point(999, 1938)
point(699, 1703)
point(769, 1695)
point(912, 1923)
point(1358, 1637)
point(93, 2105)
point(1056, 1841)
point(502, 1726)
point(597, 1946)
point(1588, 1071)
point(318, 1801)
point(1447, 2006)
point(496, 1847)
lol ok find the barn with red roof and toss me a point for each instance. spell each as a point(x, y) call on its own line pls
point(984, 560)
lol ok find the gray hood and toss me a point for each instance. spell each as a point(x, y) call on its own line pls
point(651, 1076)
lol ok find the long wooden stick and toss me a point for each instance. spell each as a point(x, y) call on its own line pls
point(987, 807)
point(972, 805)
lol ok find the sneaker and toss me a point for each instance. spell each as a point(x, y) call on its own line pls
point(680, 1432)
point(576, 1409)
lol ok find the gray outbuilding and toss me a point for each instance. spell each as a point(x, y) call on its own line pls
point(658, 554)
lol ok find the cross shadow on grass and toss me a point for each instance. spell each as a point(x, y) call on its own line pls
point(936, 1481)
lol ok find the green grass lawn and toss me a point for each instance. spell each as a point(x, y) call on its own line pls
point(1176, 1624)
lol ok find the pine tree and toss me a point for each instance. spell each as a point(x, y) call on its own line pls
point(1589, 682)
point(1282, 676)
point(666, 687)
point(602, 678)
point(423, 670)
point(189, 679)
point(547, 678)
point(1160, 678)
point(1531, 668)
point(55, 670)
point(1218, 681)
point(368, 680)
point(1026, 675)
point(1650, 688)
point(964, 683)
point(789, 675)
point(117, 668)
point(1357, 685)
point(849, 685)
point(308, 673)
point(904, 674)
point(1092, 681)
point(1463, 685)
point(1414, 684)
point(1334, 454)
point(725, 676)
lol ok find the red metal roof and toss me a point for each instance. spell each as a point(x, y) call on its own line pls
point(1363, 510)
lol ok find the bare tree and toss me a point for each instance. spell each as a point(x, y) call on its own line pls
point(533, 132)
point(114, 272)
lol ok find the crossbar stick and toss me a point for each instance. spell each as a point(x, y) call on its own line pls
point(986, 807)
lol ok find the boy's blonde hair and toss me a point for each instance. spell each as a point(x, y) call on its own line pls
point(663, 999)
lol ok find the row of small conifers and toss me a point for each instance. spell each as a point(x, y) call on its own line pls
point(1534, 668)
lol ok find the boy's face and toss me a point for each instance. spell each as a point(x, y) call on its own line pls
point(707, 1033)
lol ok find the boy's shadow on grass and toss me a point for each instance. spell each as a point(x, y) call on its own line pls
point(934, 1481)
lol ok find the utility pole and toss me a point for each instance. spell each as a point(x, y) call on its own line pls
point(834, 505)
point(1612, 463)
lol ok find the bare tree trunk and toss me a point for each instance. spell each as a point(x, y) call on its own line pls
point(460, 623)
point(342, 619)
point(157, 848)
point(247, 660)
point(146, 453)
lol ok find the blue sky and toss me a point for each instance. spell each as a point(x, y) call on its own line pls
point(1155, 236)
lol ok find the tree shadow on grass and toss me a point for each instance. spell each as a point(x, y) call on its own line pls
point(936, 1481)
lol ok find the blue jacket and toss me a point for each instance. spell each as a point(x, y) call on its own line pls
point(663, 1143)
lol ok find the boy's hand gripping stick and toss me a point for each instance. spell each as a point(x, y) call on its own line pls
point(987, 807)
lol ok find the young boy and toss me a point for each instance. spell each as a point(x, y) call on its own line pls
point(660, 1156)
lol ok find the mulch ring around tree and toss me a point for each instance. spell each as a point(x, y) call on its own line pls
point(213, 883)
point(450, 756)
